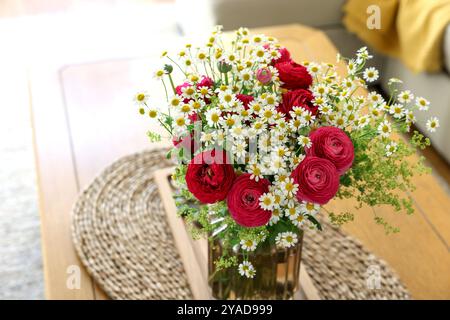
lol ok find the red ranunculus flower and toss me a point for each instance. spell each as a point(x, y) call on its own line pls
point(293, 75)
point(243, 201)
point(285, 55)
point(205, 82)
point(209, 176)
point(297, 98)
point(333, 144)
point(317, 179)
point(245, 99)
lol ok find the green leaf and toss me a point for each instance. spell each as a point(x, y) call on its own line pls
point(315, 222)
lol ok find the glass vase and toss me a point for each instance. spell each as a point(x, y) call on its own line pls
point(277, 273)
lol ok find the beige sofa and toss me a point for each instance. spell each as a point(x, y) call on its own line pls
point(326, 15)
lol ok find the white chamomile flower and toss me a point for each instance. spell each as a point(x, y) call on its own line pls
point(268, 114)
point(230, 58)
point(264, 143)
point(385, 129)
point(325, 109)
point(363, 121)
point(239, 149)
point(340, 122)
point(375, 111)
point(310, 208)
point(141, 98)
point(351, 67)
point(270, 100)
point(279, 240)
point(363, 53)
point(304, 141)
point(246, 269)
point(432, 124)
point(405, 96)
point(197, 104)
point(182, 54)
point(281, 151)
point(375, 98)
point(205, 92)
point(397, 110)
point(410, 117)
point(238, 132)
point(348, 84)
point(371, 74)
point(213, 117)
point(391, 81)
point(276, 214)
point(248, 245)
point(255, 107)
point(227, 98)
point(276, 164)
point(175, 101)
point(258, 39)
point(180, 123)
point(422, 103)
point(313, 68)
point(206, 138)
point(289, 187)
point(188, 62)
point(261, 54)
point(230, 120)
point(299, 220)
point(320, 90)
point(219, 136)
point(266, 201)
point(186, 108)
point(201, 56)
point(319, 100)
point(158, 74)
point(391, 148)
point(246, 76)
point(255, 171)
point(292, 211)
point(289, 239)
point(188, 92)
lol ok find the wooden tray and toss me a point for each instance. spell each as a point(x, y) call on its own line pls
point(194, 253)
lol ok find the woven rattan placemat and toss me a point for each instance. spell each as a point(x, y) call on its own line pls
point(122, 237)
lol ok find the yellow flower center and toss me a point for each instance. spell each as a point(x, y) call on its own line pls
point(230, 122)
point(215, 117)
point(140, 97)
point(185, 108)
point(175, 102)
point(180, 122)
point(268, 114)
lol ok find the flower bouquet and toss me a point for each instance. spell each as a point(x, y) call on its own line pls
point(263, 142)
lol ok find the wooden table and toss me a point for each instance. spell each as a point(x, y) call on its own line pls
point(83, 119)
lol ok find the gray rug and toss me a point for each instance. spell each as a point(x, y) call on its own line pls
point(20, 245)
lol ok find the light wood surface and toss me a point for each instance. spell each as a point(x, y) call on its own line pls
point(83, 119)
